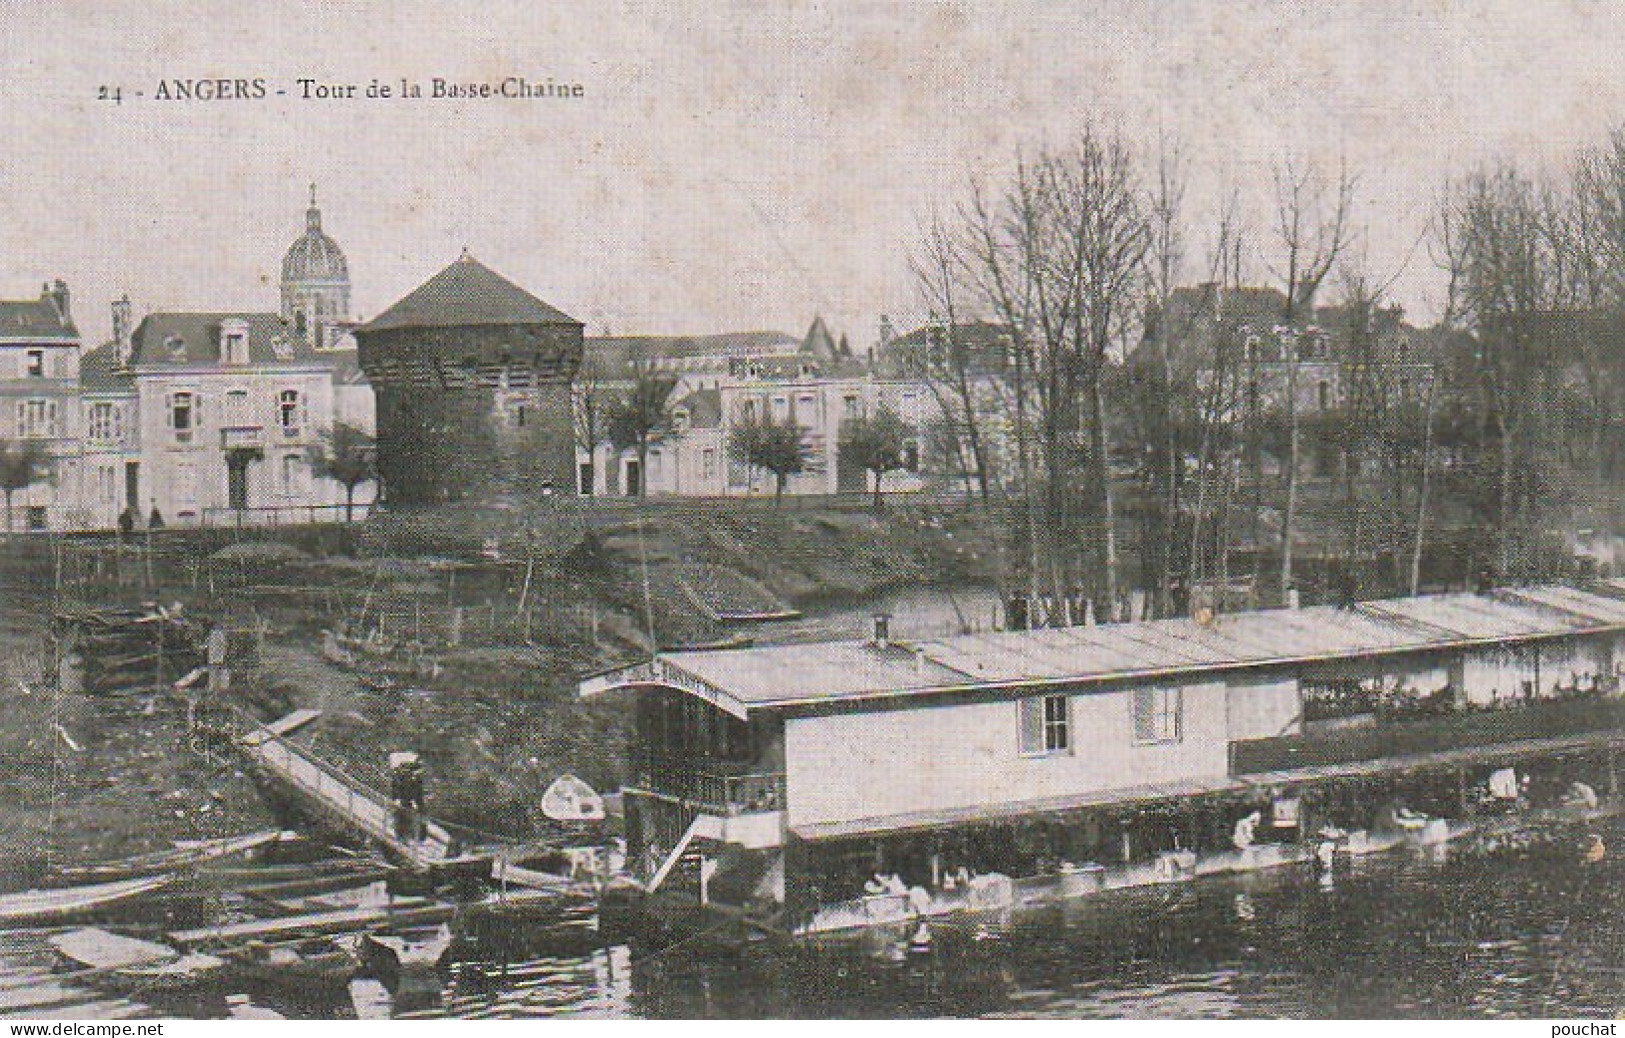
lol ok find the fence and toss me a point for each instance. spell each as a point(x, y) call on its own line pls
point(284, 515)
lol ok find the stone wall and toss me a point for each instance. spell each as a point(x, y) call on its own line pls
point(478, 414)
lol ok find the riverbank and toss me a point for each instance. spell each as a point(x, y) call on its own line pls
point(488, 620)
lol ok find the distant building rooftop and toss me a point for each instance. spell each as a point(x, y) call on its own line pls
point(193, 340)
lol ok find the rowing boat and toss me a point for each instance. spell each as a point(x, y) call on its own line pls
point(181, 856)
point(129, 962)
point(51, 906)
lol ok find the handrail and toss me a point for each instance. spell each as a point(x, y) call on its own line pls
point(330, 775)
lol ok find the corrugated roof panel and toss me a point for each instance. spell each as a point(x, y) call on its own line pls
point(788, 674)
point(1471, 617)
point(1598, 609)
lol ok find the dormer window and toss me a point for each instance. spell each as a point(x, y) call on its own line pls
point(234, 341)
point(175, 346)
point(679, 420)
point(282, 348)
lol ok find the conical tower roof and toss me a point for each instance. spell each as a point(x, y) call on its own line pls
point(467, 293)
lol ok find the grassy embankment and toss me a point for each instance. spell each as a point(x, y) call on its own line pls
point(495, 716)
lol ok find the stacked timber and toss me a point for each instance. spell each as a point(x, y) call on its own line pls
point(129, 650)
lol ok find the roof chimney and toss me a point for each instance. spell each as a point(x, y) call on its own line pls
point(58, 293)
point(882, 637)
point(123, 330)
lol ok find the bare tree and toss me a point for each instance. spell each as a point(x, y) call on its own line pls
point(1502, 279)
point(591, 401)
point(640, 416)
point(1312, 230)
point(1109, 242)
point(1057, 255)
point(950, 365)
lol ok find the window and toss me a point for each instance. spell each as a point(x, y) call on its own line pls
point(519, 415)
point(106, 422)
point(36, 419)
point(708, 464)
point(235, 349)
point(295, 475)
point(911, 455)
point(107, 485)
point(237, 408)
point(1046, 725)
point(182, 415)
point(1324, 392)
point(35, 367)
point(185, 487)
point(289, 410)
point(1159, 715)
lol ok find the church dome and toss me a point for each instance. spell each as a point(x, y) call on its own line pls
point(314, 256)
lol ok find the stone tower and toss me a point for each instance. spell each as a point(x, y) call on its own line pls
point(315, 281)
point(472, 376)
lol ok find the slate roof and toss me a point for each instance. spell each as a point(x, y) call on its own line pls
point(466, 293)
point(34, 319)
point(742, 680)
point(819, 342)
point(100, 371)
point(983, 343)
point(614, 356)
point(704, 408)
point(193, 339)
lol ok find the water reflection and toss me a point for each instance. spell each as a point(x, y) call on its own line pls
point(1515, 931)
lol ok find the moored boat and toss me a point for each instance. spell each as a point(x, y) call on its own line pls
point(67, 903)
point(131, 963)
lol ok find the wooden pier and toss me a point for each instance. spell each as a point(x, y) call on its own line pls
point(342, 801)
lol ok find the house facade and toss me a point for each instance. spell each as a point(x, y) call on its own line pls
point(39, 402)
point(229, 408)
point(816, 387)
point(199, 417)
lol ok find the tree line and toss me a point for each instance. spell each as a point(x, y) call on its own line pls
point(1106, 407)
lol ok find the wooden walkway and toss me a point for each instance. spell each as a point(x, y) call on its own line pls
point(338, 799)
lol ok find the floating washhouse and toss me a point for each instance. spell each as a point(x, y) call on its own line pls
point(784, 777)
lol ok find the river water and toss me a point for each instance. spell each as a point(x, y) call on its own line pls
point(1530, 932)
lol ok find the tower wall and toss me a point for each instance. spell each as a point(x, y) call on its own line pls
point(475, 413)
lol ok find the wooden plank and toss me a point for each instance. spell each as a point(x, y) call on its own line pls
point(43, 905)
point(315, 924)
point(281, 726)
point(351, 920)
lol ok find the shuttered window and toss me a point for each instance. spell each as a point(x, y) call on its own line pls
point(1046, 725)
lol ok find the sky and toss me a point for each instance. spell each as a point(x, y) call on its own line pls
point(732, 166)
